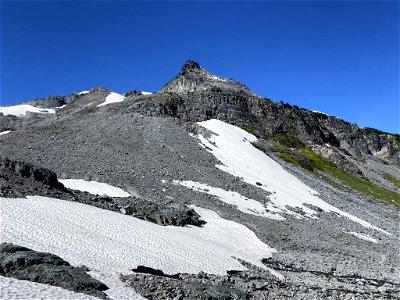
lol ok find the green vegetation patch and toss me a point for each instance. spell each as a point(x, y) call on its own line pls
point(289, 140)
point(369, 131)
point(86, 111)
point(319, 115)
point(306, 158)
point(294, 157)
point(285, 105)
point(396, 137)
point(392, 179)
point(216, 89)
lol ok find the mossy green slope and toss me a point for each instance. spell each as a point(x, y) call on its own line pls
point(293, 151)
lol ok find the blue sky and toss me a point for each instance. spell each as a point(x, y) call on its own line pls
point(338, 57)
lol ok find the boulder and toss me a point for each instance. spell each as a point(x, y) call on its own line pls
point(26, 264)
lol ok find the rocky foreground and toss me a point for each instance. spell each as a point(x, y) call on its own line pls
point(257, 283)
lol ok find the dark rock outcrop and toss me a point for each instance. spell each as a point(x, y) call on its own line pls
point(132, 93)
point(26, 264)
point(100, 89)
point(18, 179)
point(155, 284)
point(161, 213)
point(52, 101)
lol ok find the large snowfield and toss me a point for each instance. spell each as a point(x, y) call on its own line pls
point(111, 243)
point(22, 109)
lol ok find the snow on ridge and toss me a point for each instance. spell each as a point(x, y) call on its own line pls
point(83, 92)
point(12, 288)
point(320, 112)
point(244, 204)
point(111, 243)
point(146, 93)
point(21, 110)
point(217, 78)
point(94, 187)
point(5, 132)
point(232, 146)
point(112, 98)
point(363, 236)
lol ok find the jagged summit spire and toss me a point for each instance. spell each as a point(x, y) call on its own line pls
point(190, 65)
point(192, 78)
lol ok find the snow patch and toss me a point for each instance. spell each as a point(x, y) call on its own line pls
point(94, 187)
point(232, 147)
point(112, 98)
point(62, 106)
point(5, 132)
point(22, 109)
point(83, 93)
point(146, 93)
point(363, 236)
point(217, 78)
point(320, 112)
point(11, 288)
point(244, 204)
point(109, 243)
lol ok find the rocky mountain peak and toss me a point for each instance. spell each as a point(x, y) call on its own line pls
point(190, 66)
point(193, 78)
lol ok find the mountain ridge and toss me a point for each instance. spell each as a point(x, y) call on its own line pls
point(195, 94)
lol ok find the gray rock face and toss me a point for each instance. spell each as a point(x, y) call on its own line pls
point(385, 146)
point(52, 101)
point(337, 157)
point(26, 264)
point(192, 78)
point(267, 118)
point(100, 89)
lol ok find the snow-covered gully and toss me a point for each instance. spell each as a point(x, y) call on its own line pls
point(232, 146)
